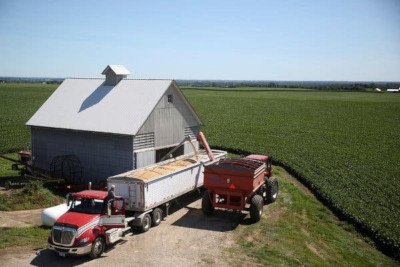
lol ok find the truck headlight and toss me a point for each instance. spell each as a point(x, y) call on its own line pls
point(83, 240)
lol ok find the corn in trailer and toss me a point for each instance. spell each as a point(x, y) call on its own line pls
point(149, 190)
point(238, 183)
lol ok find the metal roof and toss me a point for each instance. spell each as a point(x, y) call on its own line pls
point(89, 105)
point(117, 69)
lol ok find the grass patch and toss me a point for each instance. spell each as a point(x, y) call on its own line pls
point(32, 196)
point(297, 230)
point(5, 167)
point(23, 236)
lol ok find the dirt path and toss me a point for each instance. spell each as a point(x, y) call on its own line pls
point(20, 218)
point(185, 238)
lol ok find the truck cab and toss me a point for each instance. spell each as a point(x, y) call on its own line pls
point(91, 223)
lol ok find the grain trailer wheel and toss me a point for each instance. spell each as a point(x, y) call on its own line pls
point(206, 204)
point(146, 223)
point(97, 247)
point(256, 207)
point(156, 217)
point(271, 190)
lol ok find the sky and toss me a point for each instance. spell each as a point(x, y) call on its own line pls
point(338, 40)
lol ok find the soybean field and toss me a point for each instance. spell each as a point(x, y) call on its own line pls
point(344, 145)
point(18, 102)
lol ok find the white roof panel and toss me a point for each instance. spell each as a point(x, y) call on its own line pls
point(88, 105)
point(117, 69)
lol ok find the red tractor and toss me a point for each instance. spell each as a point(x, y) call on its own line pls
point(239, 184)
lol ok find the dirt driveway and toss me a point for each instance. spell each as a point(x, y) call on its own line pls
point(185, 238)
point(20, 218)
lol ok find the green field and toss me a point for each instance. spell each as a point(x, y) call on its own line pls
point(18, 102)
point(343, 145)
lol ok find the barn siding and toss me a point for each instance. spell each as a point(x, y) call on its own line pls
point(169, 120)
point(145, 158)
point(101, 155)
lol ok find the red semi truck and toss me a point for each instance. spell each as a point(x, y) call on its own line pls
point(89, 224)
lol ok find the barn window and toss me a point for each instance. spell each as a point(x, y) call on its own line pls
point(169, 98)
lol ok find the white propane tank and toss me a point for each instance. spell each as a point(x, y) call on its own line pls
point(50, 215)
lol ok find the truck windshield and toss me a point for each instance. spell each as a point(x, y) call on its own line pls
point(85, 205)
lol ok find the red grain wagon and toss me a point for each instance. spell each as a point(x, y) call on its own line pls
point(237, 183)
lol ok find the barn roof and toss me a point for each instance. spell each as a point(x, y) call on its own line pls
point(89, 105)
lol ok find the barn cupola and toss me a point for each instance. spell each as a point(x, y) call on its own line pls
point(114, 74)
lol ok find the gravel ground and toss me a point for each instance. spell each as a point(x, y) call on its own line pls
point(20, 218)
point(185, 238)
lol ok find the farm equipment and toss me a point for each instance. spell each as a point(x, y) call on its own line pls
point(56, 174)
point(238, 183)
point(27, 171)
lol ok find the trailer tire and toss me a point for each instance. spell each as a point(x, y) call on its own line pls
point(146, 223)
point(206, 204)
point(97, 247)
point(156, 217)
point(271, 190)
point(256, 208)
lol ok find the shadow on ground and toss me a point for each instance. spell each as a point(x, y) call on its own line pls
point(221, 220)
point(46, 257)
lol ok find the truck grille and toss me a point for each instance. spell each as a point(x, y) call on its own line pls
point(63, 235)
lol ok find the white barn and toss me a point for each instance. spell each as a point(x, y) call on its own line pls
point(90, 129)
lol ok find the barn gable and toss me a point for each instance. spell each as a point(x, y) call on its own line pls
point(170, 118)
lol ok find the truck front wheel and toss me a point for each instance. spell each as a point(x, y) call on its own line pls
point(97, 247)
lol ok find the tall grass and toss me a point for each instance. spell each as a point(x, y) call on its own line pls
point(32, 196)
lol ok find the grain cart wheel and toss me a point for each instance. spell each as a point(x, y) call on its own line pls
point(272, 190)
point(146, 223)
point(156, 217)
point(97, 247)
point(256, 207)
point(206, 204)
